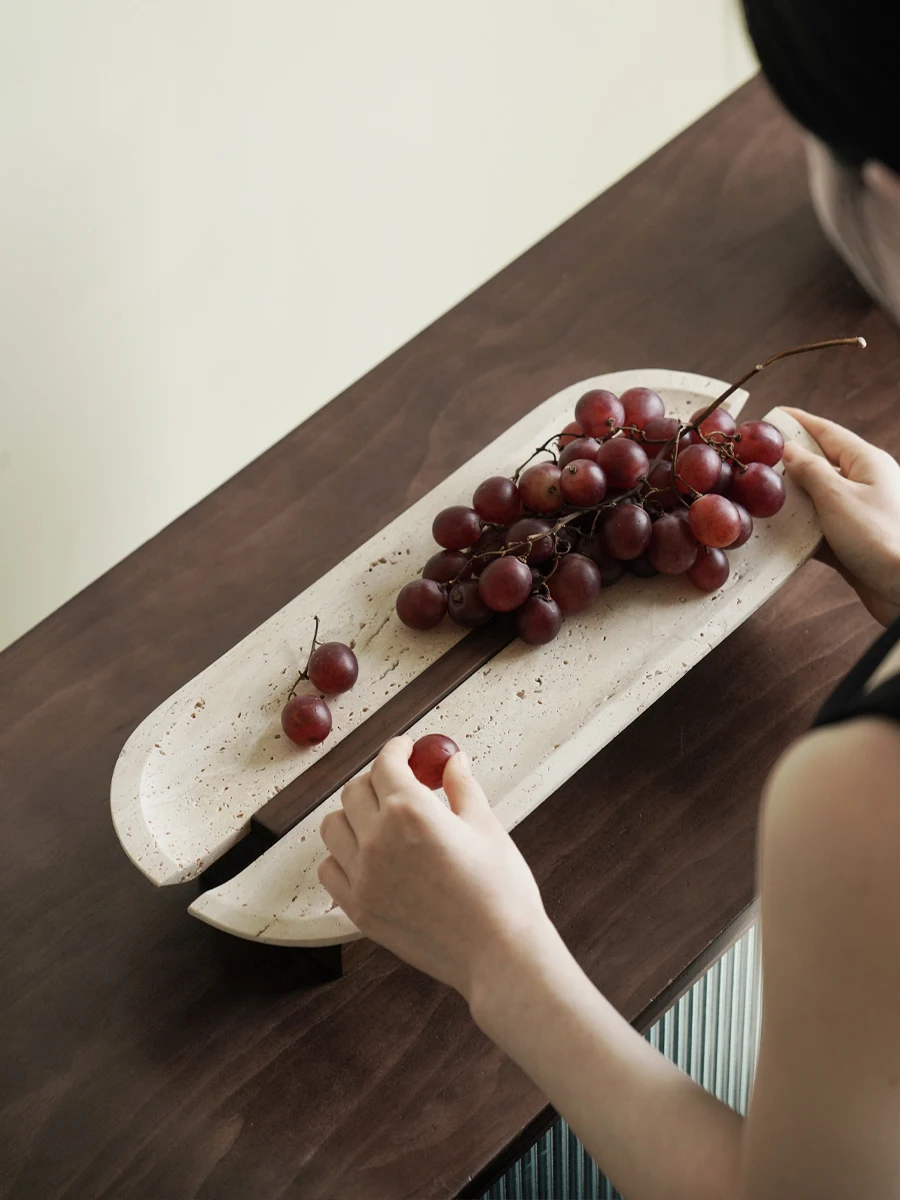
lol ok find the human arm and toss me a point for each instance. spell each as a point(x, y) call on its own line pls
point(448, 891)
point(825, 1111)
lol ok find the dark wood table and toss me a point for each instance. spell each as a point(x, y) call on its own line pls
point(145, 1055)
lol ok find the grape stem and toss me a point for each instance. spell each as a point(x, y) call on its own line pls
point(546, 448)
point(304, 674)
point(804, 349)
point(860, 342)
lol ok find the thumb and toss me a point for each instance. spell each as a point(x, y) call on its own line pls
point(812, 472)
point(463, 790)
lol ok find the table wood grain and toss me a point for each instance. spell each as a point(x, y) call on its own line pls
point(148, 1056)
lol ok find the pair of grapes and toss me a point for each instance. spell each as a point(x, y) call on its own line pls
point(332, 668)
point(631, 489)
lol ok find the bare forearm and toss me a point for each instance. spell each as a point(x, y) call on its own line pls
point(650, 1128)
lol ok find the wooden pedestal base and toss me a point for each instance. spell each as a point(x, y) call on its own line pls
point(283, 968)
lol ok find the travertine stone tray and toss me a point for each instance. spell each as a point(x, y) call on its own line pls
point(192, 774)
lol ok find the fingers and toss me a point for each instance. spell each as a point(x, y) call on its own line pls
point(839, 445)
point(813, 473)
point(464, 792)
point(360, 803)
point(334, 880)
point(390, 771)
point(340, 840)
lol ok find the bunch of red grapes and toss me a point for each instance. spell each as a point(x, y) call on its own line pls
point(625, 488)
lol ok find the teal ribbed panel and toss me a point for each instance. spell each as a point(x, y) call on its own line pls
point(712, 1033)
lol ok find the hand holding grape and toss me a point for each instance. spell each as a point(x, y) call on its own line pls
point(856, 491)
point(444, 889)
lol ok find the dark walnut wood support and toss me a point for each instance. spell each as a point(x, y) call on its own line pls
point(259, 968)
point(351, 755)
point(330, 772)
point(277, 968)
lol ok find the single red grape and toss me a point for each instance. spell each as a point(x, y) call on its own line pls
point(611, 569)
point(661, 429)
point(624, 461)
point(746, 527)
point(421, 604)
point(698, 468)
point(658, 432)
point(709, 570)
point(572, 430)
point(541, 548)
point(505, 584)
point(429, 757)
point(575, 584)
point(306, 720)
point(723, 483)
point(673, 547)
point(539, 488)
point(626, 531)
point(759, 489)
point(444, 566)
point(538, 621)
point(720, 421)
point(599, 413)
point(491, 539)
point(497, 500)
point(466, 607)
point(759, 442)
point(641, 405)
point(456, 527)
point(332, 668)
point(661, 477)
point(642, 567)
point(714, 521)
point(583, 447)
point(583, 483)
point(568, 537)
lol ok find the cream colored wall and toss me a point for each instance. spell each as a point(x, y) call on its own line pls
point(216, 214)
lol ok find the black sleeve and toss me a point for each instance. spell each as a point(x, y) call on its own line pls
point(835, 66)
point(850, 699)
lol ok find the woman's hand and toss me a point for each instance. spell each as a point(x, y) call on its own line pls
point(444, 889)
point(856, 491)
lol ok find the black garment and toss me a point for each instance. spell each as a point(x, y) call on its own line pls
point(850, 699)
point(834, 66)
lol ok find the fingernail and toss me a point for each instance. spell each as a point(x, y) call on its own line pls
point(463, 760)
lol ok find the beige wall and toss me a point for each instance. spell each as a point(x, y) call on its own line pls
point(216, 214)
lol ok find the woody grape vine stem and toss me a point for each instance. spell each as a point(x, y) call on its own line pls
point(304, 674)
point(860, 342)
